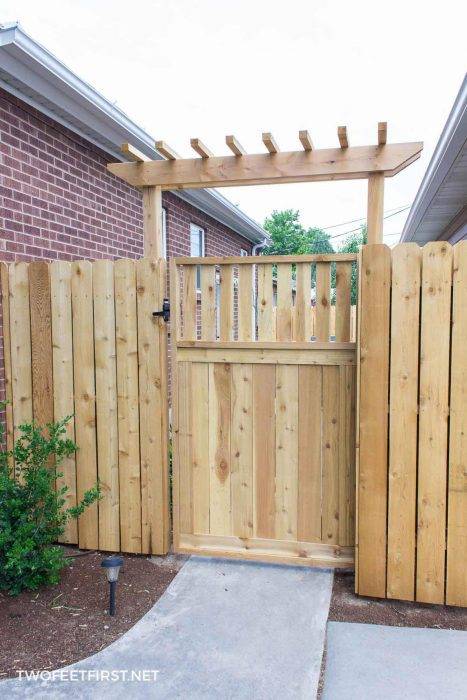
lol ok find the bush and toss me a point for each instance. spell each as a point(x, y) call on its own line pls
point(32, 513)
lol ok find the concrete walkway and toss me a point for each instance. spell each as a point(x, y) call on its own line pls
point(221, 630)
point(382, 663)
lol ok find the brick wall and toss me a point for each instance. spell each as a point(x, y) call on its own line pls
point(57, 200)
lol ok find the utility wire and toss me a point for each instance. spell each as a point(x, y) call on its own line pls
point(362, 218)
point(388, 216)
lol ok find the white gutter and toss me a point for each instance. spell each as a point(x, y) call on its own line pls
point(448, 147)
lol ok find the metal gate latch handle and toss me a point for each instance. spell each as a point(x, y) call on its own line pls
point(165, 313)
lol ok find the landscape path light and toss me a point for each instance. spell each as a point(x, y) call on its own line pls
point(112, 566)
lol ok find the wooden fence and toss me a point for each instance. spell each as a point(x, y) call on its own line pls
point(80, 339)
point(264, 409)
point(412, 423)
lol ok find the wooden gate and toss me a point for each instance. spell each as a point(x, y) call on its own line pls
point(264, 409)
point(80, 340)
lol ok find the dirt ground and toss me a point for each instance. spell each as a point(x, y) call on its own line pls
point(56, 626)
point(347, 607)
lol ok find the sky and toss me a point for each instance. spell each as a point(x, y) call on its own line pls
point(207, 68)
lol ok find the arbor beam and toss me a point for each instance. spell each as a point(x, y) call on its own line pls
point(351, 163)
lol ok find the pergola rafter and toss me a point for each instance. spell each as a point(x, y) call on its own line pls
point(309, 164)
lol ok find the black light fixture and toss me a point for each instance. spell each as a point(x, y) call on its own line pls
point(112, 566)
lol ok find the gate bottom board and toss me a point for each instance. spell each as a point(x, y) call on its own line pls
point(269, 551)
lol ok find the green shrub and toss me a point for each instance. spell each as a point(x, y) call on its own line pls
point(32, 513)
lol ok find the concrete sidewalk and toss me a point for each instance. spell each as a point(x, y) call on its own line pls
point(223, 629)
point(383, 663)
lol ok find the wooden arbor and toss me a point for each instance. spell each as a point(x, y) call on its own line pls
point(226, 517)
point(309, 164)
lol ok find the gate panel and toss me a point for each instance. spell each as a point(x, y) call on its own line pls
point(263, 427)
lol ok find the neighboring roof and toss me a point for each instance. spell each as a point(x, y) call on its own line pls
point(439, 209)
point(32, 73)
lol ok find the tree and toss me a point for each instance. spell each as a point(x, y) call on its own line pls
point(352, 244)
point(286, 232)
point(289, 237)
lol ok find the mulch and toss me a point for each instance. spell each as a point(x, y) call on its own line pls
point(58, 625)
point(347, 607)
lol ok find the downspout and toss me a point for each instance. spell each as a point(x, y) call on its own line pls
point(257, 247)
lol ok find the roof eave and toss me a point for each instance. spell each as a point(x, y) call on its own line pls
point(450, 142)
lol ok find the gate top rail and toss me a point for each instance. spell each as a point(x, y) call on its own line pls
point(265, 259)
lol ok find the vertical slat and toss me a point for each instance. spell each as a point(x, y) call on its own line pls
point(219, 448)
point(346, 445)
point(264, 449)
point(373, 419)
point(358, 326)
point(175, 334)
point(63, 388)
point(284, 302)
point(303, 303)
point(41, 343)
point(200, 446)
point(5, 283)
point(189, 302)
point(309, 453)
point(106, 404)
point(162, 385)
point(186, 411)
point(208, 302)
point(433, 421)
point(245, 302)
point(226, 303)
point(456, 574)
point(20, 329)
point(323, 300)
point(332, 321)
point(266, 325)
point(353, 323)
point(330, 446)
point(286, 452)
point(403, 419)
point(84, 384)
point(342, 307)
point(153, 405)
point(241, 450)
point(129, 476)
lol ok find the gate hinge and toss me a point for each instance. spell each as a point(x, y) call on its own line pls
point(165, 313)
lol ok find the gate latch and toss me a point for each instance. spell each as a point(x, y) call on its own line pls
point(165, 313)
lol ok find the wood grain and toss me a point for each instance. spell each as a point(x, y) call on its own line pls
point(241, 450)
point(403, 420)
point(219, 448)
point(129, 474)
point(456, 575)
point(433, 421)
point(85, 398)
point(63, 387)
point(106, 404)
point(264, 449)
point(373, 419)
point(310, 396)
